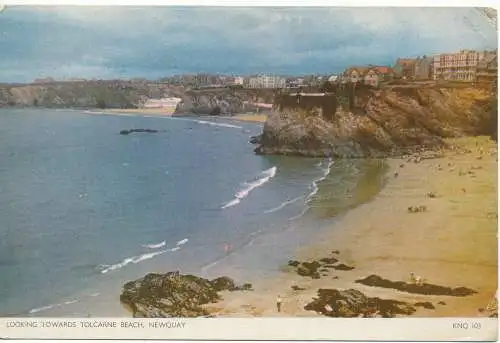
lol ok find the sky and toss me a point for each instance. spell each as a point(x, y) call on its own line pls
point(153, 42)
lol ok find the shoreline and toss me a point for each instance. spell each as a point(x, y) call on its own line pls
point(452, 244)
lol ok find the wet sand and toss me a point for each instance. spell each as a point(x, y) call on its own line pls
point(453, 243)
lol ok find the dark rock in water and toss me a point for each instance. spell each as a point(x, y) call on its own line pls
point(353, 303)
point(336, 252)
point(297, 288)
point(428, 289)
point(126, 132)
point(425, 304)
point(254, 139)
point(293, 263)
point(342, 267)
point(328, 266)
point(441, 303)
point(173, 294)
point(329, 260)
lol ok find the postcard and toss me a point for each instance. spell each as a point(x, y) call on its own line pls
point(238, 172)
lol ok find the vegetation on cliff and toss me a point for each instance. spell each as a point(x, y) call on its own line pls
point(359, 122)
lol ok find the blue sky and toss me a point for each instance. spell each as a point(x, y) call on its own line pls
point(152, 42)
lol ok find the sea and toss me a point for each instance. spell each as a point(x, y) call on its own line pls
point(84, 209)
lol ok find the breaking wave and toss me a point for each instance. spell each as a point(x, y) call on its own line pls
point(155, 246)
point(288, 202)
point(105, 268)
point(269, 174)
point(182, 241)
point(211, 123)
point(315, 182)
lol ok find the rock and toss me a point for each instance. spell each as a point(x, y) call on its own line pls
point(293, 263)
point(297, 288)
point(425, 288)
point(352, 303)
point(172, 294)
point(432, 195)
point(329, 260)
point(425, 304)
point(343, 267)
point(254, 140)
point(441, 303)
point(223, 283)
point(126, 132)
point(336, 252)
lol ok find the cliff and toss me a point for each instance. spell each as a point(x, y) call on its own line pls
point(225, 101)
point(126, 94)
point(367, 122)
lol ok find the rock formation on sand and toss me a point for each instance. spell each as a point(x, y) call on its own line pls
point(174, 295)
point(426, 288)
point(353, 303)
point(366, 122)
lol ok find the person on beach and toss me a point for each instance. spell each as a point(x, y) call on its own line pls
point(227, 248)
point(278, 303)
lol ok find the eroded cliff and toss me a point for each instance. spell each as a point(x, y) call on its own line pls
point(376, 122)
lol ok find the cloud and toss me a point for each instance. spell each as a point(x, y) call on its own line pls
point(72, 41)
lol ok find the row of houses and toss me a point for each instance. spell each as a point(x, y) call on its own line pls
point(465, 65)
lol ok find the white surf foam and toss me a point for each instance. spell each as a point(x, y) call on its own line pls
point(288, 202)
point(183, 241)
point(44, 308)
point(69, 302)
point(155, 245)
point(211, 123)
point(248, 187)
point(135, 259)
point(48, 307)
point(175, 249)
point(315, 182)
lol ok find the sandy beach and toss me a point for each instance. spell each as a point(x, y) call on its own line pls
point(146, 111)
point(452, 243)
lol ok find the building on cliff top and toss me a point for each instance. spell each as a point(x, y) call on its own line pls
point(458, 66)
point(370, 75)
point(405, 68)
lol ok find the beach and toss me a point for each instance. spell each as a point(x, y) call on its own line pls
point(452, 243)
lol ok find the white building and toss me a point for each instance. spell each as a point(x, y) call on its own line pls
point(169, 103)
point(267, 81)
point(238, 80)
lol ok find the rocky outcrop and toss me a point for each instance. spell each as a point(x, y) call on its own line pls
point(369, 122)
point(425, 288)
point(174, 295)
point(353, 303)
point(127, 132)
point(222, 101)
point(127, 94)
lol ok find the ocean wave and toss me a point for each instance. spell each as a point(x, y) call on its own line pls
point(44, 308)
point(211, 123)
point(48, 307)
point(182, 241)
point(315, 182)
point(248, 187)
point(155, 245)
point(105, 268)
point(288, 202)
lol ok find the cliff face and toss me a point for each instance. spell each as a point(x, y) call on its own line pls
point(223, 101)
point(76, 94)
point(124, 94)
point(371, 122)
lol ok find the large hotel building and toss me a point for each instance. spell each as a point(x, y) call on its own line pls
point(457, 66)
